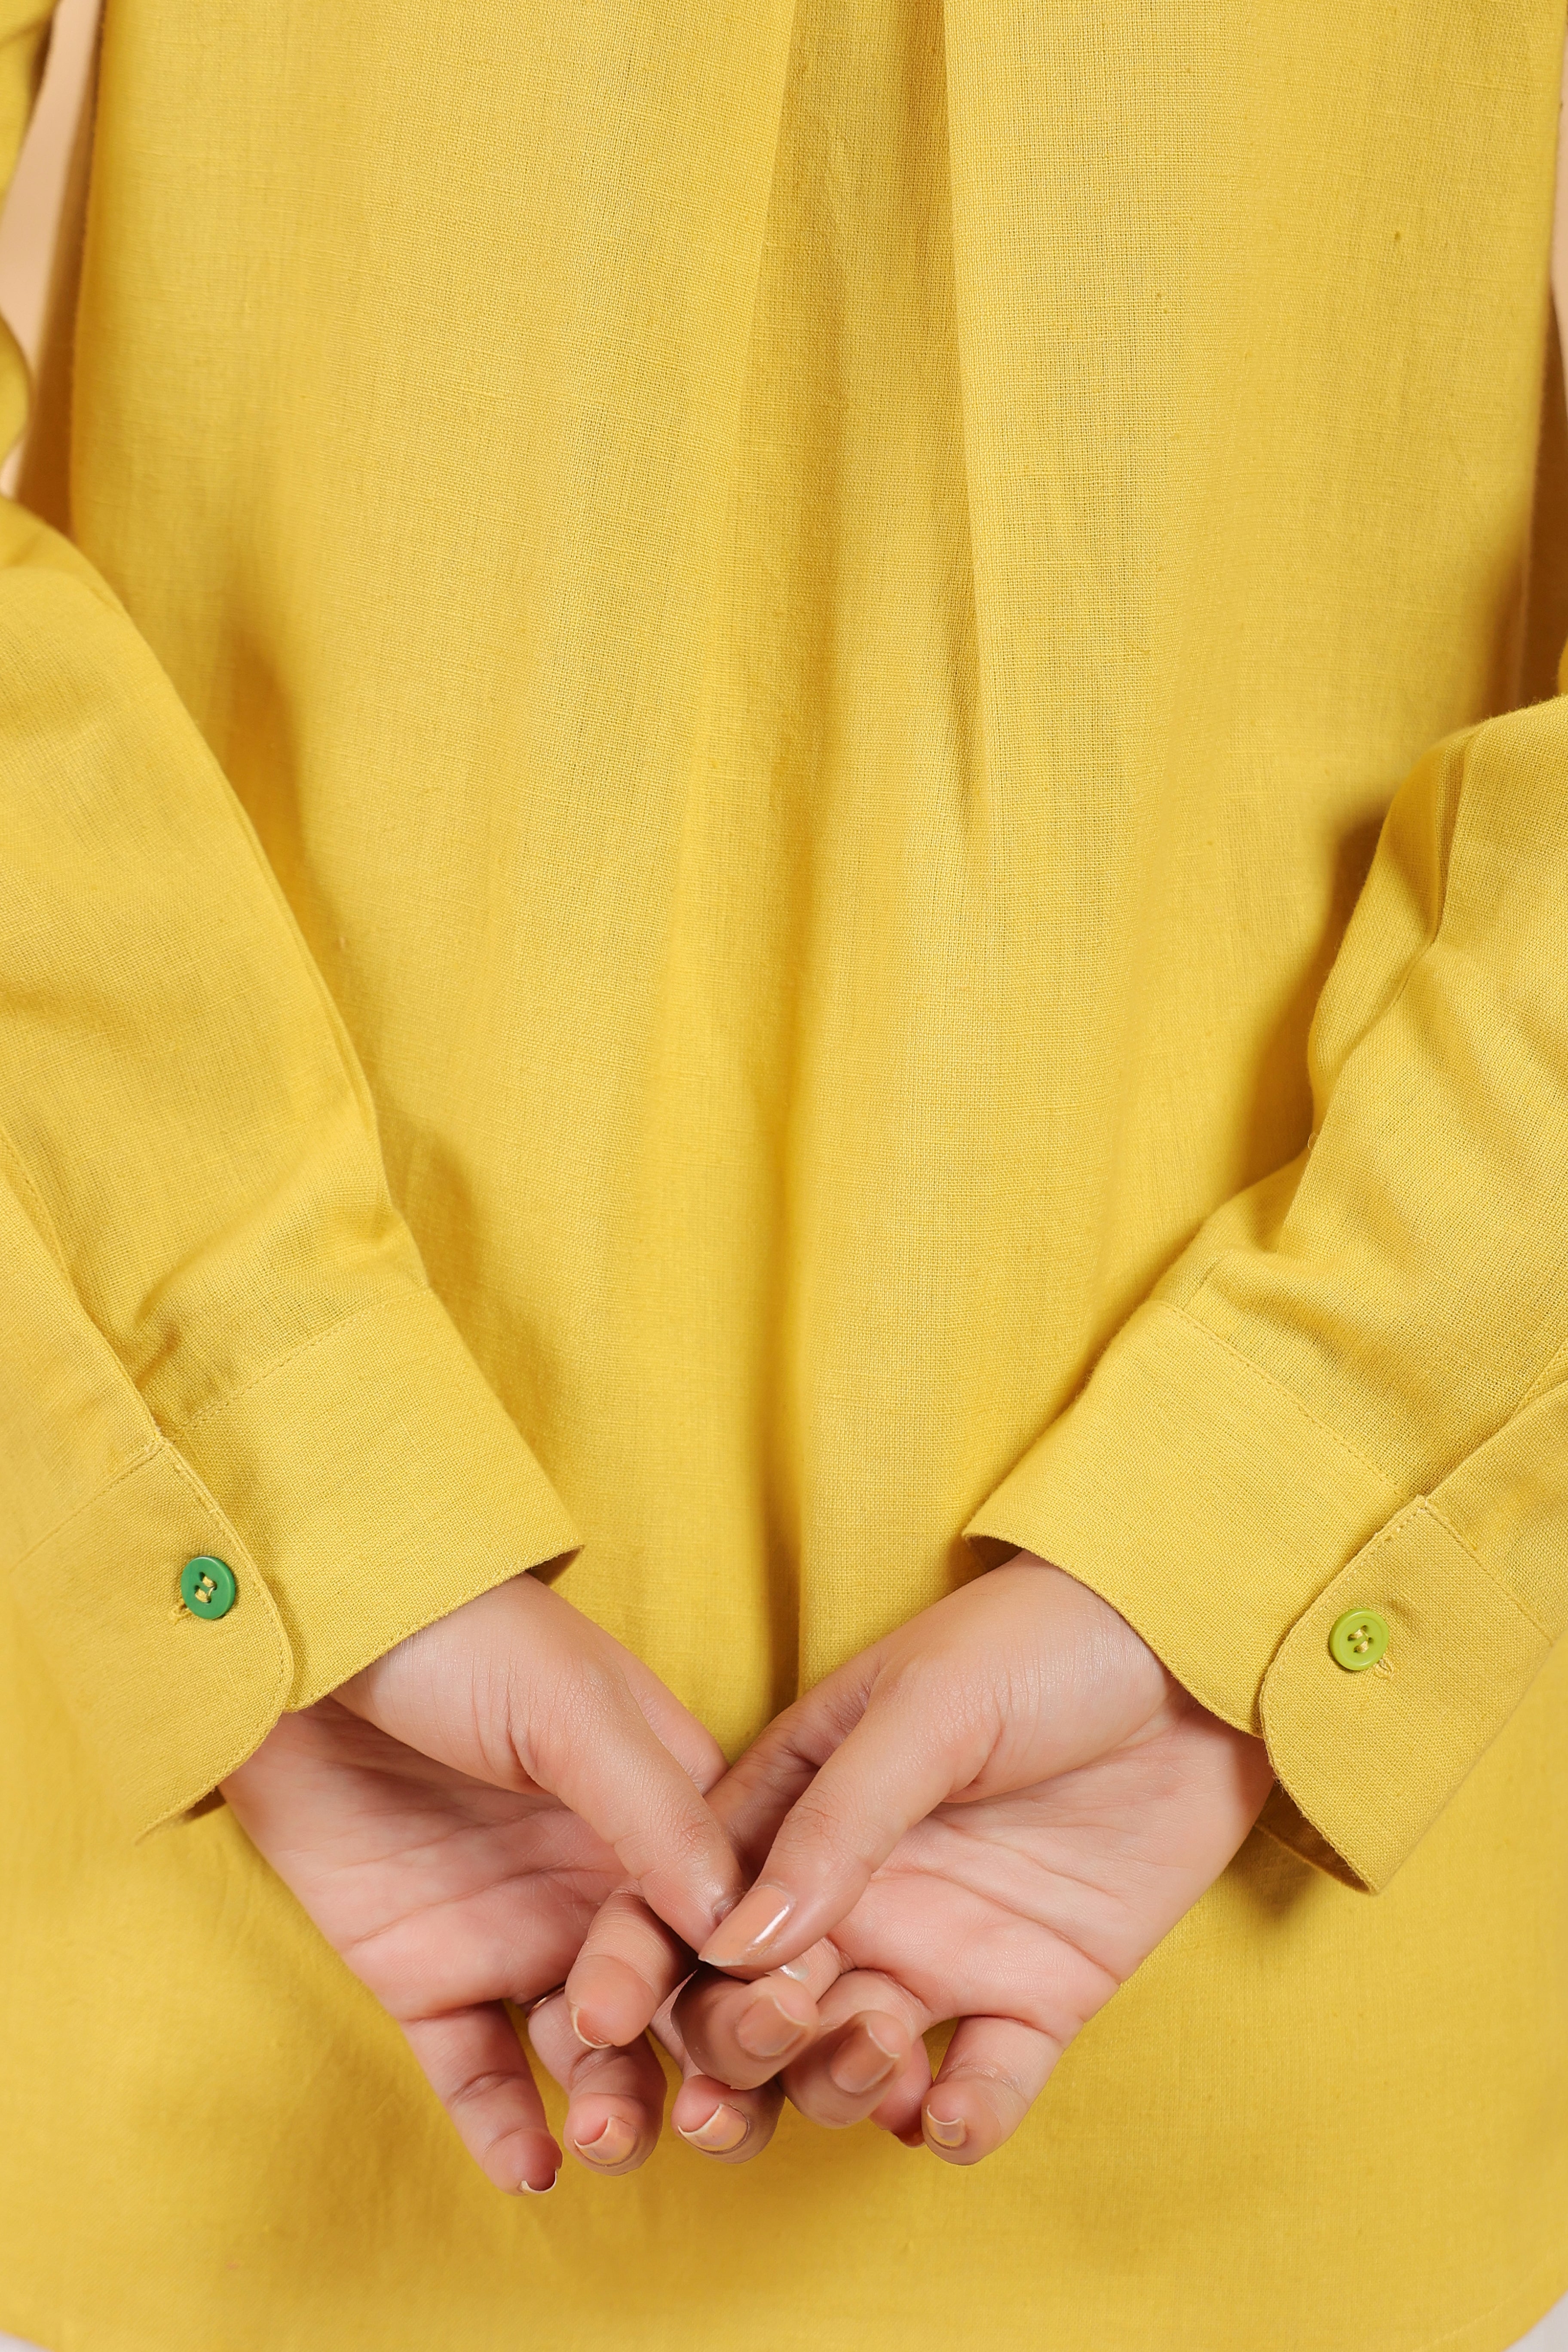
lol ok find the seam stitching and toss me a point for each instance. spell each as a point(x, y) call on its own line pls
point(303, 1348)
point(1553, 2270)
point(209, 1502)
point(1545, 1380)
point(282, 1655)
point(48, 1231)
point(1436, 1512)
point(417, 1624)
point(149, 1453)
point(1280, 1389)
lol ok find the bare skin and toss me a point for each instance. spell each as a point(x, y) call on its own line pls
point(453, 1819)
point(993, 1816)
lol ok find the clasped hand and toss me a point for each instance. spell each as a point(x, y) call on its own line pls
point(991, 1817)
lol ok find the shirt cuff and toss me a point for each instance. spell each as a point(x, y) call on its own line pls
point(367, 1485)
point(1231, 1529)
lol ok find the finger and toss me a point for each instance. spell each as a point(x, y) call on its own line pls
point(899, 2109)
point(629, 1965)
point(592, 1745)
point(994, 2071)
point(863, 1993)
point(730, 2126)
point(743, 2034)
point(904, 1756)
point(518, 1684)
point(691, 1743)
point(475, 2064)
point(845, 2074)
point(630, 1962)
point(869, 2031)
point(727, 2126)
point(755, 1794)
point(615, 2097)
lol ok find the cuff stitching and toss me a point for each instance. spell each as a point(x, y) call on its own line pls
point(317, 1339)
point(1289, 1394)
point(417, 1624)
point(1493, 1579)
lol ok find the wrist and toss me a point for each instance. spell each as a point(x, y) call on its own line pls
point(1117, 1651)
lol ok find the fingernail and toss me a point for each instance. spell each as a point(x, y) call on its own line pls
point(946, 2133)
point(528, 2188)
point(725, 2128)
point(765, 2029)
point(750, 1927)
point(611, 2143)
point(586, 2039)
point(861, 2062)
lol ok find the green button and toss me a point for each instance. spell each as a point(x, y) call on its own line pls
point(1358, 1639)
point(207, 1586)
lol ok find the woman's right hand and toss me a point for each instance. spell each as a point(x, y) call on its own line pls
point(990, 1818)
point(453, 1818)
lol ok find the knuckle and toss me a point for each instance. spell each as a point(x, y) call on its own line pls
point(945, 1707)
point(820, 2103)
point(603, 2070)
point(686, 1831)
point(586, 1694)
point(583, 1704)
point(831, 1823)
point(694, 2021)
point(987, 2075)
point(477, 2089)
point(1009, 2090)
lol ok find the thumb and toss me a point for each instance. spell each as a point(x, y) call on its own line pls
point(517, 1686)
point(594, 1749)
point(887, 1772)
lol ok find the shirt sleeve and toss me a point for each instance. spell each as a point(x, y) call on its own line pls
point(216, 1336)
point(1351, 1390)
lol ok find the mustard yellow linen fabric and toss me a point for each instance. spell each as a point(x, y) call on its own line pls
point(685, 757)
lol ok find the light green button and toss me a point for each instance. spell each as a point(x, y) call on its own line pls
point(207, 1586)
point(1358, 1639)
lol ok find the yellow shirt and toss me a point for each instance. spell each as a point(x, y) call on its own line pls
point(688, 810)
